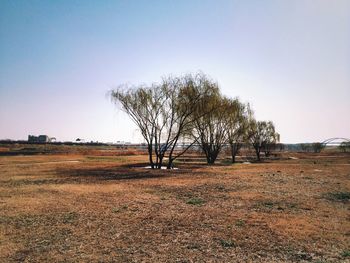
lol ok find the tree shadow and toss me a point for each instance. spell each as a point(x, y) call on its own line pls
point(109, 173)
point(135, 171)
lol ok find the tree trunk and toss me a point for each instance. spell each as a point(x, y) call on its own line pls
point(258, 154)
point(234, 150)
point(212, 157)
point(210, 160)
point(170, 163)
point(160, 162)
point(150, 157)
point(233, 157)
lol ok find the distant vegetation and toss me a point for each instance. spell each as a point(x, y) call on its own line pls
point(315, 147)
point(190, 109)
point(345, 146)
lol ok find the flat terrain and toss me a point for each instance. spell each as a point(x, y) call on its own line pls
point(81, 208)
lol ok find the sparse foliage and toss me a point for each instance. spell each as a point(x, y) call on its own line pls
point(262, 135)
point(142, 104)
point(237, 123)
point(191, 108)
point(210, 128)
point(164, 113)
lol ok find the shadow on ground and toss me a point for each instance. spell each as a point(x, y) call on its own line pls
point(124, 172)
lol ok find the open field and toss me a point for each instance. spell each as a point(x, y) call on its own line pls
point(90, 208)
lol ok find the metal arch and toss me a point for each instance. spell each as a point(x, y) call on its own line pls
point(334, 139)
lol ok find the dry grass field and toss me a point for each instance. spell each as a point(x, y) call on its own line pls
point(82, 208)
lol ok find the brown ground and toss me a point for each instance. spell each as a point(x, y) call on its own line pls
point(75, 208)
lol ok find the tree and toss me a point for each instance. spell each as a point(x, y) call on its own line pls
point(317, 147)
point(142, 104)
point(183, 95)
point(261, 135)
point(237, 121)
point(305, 147)
point(191, 108)
point(344, 146)
point(164, 113)
point(210, 122)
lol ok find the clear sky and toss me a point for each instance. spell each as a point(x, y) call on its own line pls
point(58, 59)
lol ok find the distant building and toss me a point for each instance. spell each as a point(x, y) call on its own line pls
point(40, 138)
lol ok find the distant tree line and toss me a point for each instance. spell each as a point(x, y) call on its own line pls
point(315, 147)
point(191, 109)
point(345, 146)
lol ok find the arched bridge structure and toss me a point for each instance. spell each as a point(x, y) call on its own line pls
point(334, 141)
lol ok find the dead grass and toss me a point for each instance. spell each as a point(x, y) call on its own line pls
point(108, 209)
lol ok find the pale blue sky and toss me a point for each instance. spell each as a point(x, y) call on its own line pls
point(58, 59)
